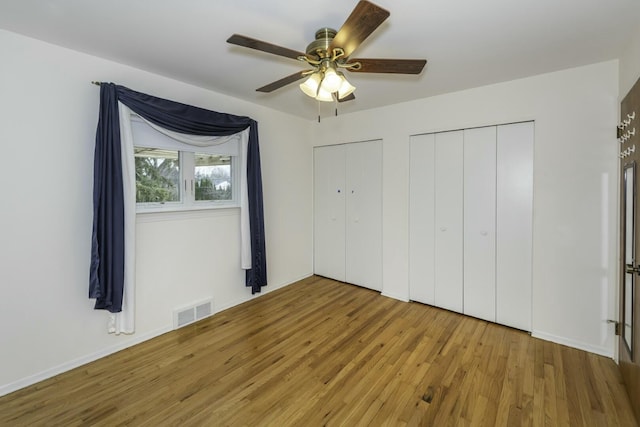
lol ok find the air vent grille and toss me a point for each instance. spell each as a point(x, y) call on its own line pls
point(203, 310)
point(185, 317)
point(192, 313)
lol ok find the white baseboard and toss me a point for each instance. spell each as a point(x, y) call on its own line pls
point(72, 364)
point(267, 289)
point(402, 298)
point(602, 351)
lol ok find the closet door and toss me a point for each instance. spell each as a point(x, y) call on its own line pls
point(329, 211)
point(514, 224)
point(422, 218)
point(480, 223)
point(364, 214)
point(448, 220)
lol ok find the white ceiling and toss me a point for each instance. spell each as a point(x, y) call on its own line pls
point(467, 43)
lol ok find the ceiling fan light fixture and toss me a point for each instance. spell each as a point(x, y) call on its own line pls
point(332, 81)
point(324, 96)
point(346, 88)
point(311, 85)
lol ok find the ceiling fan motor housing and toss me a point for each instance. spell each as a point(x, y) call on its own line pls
point(319, 47)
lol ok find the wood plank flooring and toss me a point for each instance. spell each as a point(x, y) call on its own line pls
point(320, 352)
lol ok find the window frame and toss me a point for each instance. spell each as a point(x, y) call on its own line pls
point(166, 205)
point(190, 186)
point(186, 188)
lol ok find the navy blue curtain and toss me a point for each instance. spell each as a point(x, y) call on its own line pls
point(106, 275)
point(107, 254)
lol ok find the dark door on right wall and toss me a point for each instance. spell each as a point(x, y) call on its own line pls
point(629, 319)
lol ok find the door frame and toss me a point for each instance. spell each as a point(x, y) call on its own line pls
point(629, 356)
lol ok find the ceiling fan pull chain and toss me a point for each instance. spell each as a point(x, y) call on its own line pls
point(318, 111)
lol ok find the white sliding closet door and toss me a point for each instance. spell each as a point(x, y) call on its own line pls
point(470, 222)
point(364, 214)
point(422, 218)
point(480, 222)
point(448, 220)
point(329, 211)
point(514, 224)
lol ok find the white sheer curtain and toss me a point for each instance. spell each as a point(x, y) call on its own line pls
point(124, 322)
point(196, 140)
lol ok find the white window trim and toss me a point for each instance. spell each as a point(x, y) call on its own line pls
point(180, 215)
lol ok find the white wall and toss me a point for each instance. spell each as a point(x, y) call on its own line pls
point(575, 187)
point(49, 115)
point(630, 64)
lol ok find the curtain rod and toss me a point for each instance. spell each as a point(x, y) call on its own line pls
point(96, 83)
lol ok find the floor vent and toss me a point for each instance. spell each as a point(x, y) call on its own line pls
point(187, 315)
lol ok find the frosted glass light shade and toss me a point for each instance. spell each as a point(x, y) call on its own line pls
point(324, 96)
point(345, 88)
point(310, 86)
point(332, 81)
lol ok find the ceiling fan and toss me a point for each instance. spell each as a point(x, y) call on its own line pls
point(330, 53)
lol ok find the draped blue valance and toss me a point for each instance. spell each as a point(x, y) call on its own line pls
point(107, 249)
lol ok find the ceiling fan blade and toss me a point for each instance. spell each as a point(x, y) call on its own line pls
point(347, 98)
point(393, 66)
point(364, 19)
point(251, 43)
point(282, 82)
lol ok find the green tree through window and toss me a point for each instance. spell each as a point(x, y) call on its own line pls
point(157, 176)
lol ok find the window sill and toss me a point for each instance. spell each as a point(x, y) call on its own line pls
point(152, 214)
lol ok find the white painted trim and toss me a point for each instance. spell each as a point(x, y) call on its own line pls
point(265, 291)
point(602, 351)
point(474, 124)
point(186, 214)
point(72, 364)
point(398, 297)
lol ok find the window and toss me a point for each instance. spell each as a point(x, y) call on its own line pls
point(171, 177)
point(213, 177)
point(157, 175)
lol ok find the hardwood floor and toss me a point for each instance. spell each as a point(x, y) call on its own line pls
point(320, 352)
